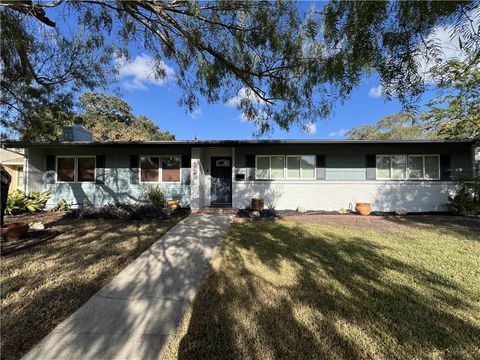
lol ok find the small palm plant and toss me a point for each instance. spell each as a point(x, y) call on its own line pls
point(153, 196)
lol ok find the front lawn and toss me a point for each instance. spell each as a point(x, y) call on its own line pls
point(45, 284)
point(339, 288)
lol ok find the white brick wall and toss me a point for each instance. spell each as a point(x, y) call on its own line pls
point(413, 196)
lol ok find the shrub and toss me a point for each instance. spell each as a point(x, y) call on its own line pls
point(467, 200)
point(153, 196)
point(118, 211)
point(18, 202)
point(63, 205)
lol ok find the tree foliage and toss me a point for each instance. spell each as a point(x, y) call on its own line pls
point(392, 39)
point(401, 126)
point(455, 113)
point(109, 118)
point(289, 64)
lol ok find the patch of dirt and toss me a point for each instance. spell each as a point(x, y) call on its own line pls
point(390, 224)
point(45, 217)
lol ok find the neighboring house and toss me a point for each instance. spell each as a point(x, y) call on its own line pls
point(13, 160)
point(415, 175)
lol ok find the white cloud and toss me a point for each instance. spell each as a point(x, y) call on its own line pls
point(310, 128)
point(375, 92)
point(244, 94)
point(446, 40)
point(247, 94)
point(339, 133)
point(196, 113)
point(141, 71)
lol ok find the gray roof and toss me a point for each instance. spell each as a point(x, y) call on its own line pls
point(207, 143)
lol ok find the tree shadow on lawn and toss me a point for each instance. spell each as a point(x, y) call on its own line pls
point(447, 224)
point(281, 291)
point(43, 285)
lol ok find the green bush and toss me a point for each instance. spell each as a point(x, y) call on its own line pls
point(63, 205)
point(153, 196)
point(18, 202)
point(467, 200)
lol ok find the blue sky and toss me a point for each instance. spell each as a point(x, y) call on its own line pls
point(158, 101)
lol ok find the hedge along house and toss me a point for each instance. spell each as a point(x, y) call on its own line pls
point(416, 175)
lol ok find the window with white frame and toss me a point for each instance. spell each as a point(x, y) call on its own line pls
point(262, 168)
point(160, 168)
point(71, 168)
point(171, 169)
point(414, 167)
point(278, 167)
point(301, 167)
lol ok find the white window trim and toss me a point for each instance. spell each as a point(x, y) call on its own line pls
point(301, 178)
point(285, 168)
point(407, 168)
point(95, 168)
point(160, 169)
point(74, 168)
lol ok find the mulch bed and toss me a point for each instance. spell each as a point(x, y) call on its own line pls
point(32, 238)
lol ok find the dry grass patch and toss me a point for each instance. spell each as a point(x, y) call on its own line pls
point(284, 289)
point(42, 286)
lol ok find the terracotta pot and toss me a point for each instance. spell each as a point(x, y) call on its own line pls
point(14, 231)
point(257, 204)
point(173, 204)
point(363, 208)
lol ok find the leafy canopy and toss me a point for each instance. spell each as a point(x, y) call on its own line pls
point(289, 64)
point(111, 118)
point(108, 118)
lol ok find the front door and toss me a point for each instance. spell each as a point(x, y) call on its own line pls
point(221, 180)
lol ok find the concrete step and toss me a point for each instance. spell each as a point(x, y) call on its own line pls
point(216, 210)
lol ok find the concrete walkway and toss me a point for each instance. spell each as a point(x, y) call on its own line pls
point(133, 316)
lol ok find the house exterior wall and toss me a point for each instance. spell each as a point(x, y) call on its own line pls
point(346, 179)
point(327, 195)
point(117, 186)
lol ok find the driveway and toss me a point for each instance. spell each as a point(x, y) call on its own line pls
point(133, 316)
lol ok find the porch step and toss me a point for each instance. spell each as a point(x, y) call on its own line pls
point(216, 210)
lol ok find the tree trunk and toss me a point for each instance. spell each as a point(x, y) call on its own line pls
point(6, 179)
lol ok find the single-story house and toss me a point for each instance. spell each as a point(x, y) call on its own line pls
point(414, 175)
point(13, 160)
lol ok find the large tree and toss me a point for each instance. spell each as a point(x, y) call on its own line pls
point(401, 126)
point(455, 112)
point(109, 118)
point(284, 64)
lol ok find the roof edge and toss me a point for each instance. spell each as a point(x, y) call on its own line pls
point(27, 144)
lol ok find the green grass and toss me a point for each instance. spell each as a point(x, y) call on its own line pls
point(388, 290)
point(42, 286)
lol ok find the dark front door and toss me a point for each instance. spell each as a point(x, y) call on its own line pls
point(221, 180)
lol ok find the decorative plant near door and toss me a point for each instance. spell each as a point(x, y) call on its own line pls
point(152, 195)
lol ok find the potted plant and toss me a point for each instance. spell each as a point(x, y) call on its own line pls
point(257, 204)
point(173, 204)
point(14, 231)
point(363, 208)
